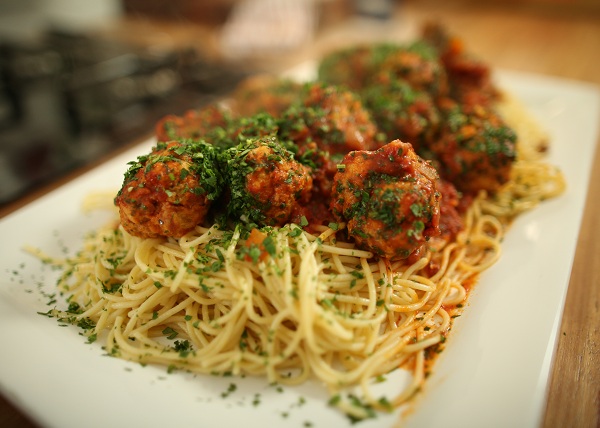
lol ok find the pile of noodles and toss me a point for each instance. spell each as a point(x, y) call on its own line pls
point(302, 305)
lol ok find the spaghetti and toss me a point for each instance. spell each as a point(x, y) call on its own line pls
point(287, 304)
point(314, 307)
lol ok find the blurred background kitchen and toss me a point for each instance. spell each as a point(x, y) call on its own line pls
point(80, 79)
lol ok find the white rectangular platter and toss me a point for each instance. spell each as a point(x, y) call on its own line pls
point(493, 373)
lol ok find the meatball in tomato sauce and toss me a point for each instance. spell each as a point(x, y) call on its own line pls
point(168, 192)
point(193, 124)
point(418, 65)
point(389, 199)
point(333, 118)
point(402, 112)
point(266, 182)
point(476, 149)
point(264, 94)
point(350, 67)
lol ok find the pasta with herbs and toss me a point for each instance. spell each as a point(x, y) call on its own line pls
point(336, 256)
point(314, 306)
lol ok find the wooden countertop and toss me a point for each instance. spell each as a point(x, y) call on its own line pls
point(557, 41)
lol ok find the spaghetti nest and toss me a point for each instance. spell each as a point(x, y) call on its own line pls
point(292, 307)
point(278, 301)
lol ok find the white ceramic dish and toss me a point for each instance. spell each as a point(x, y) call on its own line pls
point(493, 373)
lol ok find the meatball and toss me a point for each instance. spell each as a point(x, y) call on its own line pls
point(350, 67)
point(402, 112)
point(476, 149)
point(264, 94)
point(266, 182)
point(333, 118)
point(418, 65)
point(169, 191)
point(451, 222)
point(469, 79)
point(322, 167)
point(244, 128)
point(194, 124)
point(388, 198)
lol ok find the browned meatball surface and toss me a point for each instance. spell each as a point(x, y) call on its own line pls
point(322, 167)
point(169, 191)
point(351, 67)
point(266, 182)
point(194, 124)
point(451, 222)
point(334, 118)
point(469, 78)
point(388, 198)
point(418, 65)
point(402, 112)
point(264, 94)
point(476, 149)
